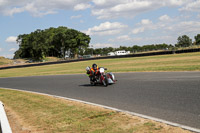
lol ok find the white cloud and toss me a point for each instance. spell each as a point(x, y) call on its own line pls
point(138, 30)
point(187, 27)
point(12, 50)
point(100, 8)
point(164, 18)
point(82, 6)
point(106, 28)
point(145, 24)
point(176, 2)
point(11, 39)
point(167, 29)
point(1, 49)
point(146, 21)
point(40, 7)
point(10, 12)
point(179, 27)
point(105, 9)
point(193, 6)
point(125, 8)
point(131, 6)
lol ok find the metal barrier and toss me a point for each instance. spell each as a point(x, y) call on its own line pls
point(4, 124)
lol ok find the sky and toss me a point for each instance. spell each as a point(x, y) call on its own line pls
point(110, 23)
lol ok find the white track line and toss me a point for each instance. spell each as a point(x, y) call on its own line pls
point(4, 124)
point(118, 110)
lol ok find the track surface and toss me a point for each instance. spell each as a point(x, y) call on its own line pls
point(171, 96)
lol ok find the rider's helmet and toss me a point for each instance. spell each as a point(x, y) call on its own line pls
point(94, 66)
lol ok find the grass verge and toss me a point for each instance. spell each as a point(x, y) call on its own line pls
point(176, 62)
point(45, 114)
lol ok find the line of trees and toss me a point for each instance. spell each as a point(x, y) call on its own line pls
point(133, 49)
point(182, 41)
point(52, 42)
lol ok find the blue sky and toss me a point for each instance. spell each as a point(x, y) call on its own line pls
point(108, 22)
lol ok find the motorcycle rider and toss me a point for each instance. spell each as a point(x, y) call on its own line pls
point(93, 72)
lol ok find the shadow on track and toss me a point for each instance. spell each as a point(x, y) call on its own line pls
point(89, 85)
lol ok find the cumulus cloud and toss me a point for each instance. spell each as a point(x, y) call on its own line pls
point(100, 8)
point(187, 27)
point(105, 9)
point(40, 7)
point(138, 30)
point(178, 25)
point(164, 18)
point(166, 29)
point(106, 28)
point(11, 39)
point(193, 6)
point(145, 24)
point(176, 2)
point(146, 21)
point(126, 8)
point(82, 6)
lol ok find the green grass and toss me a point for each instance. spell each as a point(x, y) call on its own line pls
point(45, 114)
point(175, 62)
point(50, 59)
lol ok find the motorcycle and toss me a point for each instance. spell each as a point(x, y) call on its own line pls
point(103, 78)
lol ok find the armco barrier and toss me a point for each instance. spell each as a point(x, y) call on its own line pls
point(4, 124)
point(107, 57)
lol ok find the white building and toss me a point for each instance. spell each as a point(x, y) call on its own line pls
point(120, 52)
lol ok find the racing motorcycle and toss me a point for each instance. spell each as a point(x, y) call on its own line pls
point(103, 78)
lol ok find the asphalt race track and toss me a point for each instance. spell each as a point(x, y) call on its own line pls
point(171, 96)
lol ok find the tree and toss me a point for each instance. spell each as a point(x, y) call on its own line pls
point(184, 41)
point(51, 42)
point(197, 39)
point(136, 48)
point(98, 51)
